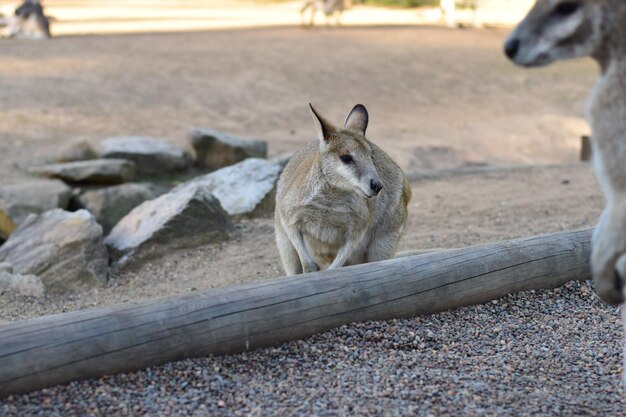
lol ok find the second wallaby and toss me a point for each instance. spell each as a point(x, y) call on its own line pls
point(566, 29)
point(340, 201)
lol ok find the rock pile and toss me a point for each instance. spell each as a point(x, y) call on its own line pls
point(86, 216)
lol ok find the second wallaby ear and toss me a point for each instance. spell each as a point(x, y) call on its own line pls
point(357, 119)
point(323, 127)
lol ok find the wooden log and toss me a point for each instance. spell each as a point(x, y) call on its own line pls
point(57, 349)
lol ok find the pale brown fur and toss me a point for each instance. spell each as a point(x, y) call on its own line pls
point(327, 213)
point(595, 28)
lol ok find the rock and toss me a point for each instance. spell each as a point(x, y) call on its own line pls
point(109, 205)
point(25, 285)
point(77, 151)
point(282, 159)
point(95, 171)
point(216, 150)
point(182, 218)
point(64, 249)
point(32, 197)
point(151, 156)
point(243, 188)
point(6, 268)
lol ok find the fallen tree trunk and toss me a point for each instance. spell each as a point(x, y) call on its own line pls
point(57, 349)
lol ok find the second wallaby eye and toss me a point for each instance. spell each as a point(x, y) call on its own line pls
point(566, 8)
point(346, 159)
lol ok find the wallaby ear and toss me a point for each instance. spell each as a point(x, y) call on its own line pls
point(357, 119)
point(323, 127)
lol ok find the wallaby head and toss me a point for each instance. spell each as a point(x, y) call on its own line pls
point(564, 29)
point(345, 156)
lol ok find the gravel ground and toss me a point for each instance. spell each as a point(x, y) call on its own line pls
point(553, 352)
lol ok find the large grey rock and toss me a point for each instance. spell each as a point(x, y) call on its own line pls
point(17, 284)
point(182, 218)
point(77, 151)
point(151, 156)
point(32, 197)
point(244, 188)
point(94, 171)
point(216, 149)
point(282, 159)
point(64, 249)
point(109, 205)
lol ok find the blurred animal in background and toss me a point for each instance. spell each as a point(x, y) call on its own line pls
point(28, 21)
point(330, 8)
point(340, 201)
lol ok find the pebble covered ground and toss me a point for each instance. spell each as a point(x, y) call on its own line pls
point(538, 353)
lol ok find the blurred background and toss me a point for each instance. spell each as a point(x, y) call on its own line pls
point(440, 92)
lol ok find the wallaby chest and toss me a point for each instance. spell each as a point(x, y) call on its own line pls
point(329, 218)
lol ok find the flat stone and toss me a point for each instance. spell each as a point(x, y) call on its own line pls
point(77, 151)
point(109, 205)
point(95, 171)
point(24, 285)
point(216, 149)
point(282, 159)
point(151, 156)
point(182, 218)
point(246, 188)
point(33, 197)
point(6, 267)
point(65, 249)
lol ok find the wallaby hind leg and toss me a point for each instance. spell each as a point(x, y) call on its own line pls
point(383, 247)
point(288, 254)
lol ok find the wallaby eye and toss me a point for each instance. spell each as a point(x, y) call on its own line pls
point(346, 159)
point(566, 8)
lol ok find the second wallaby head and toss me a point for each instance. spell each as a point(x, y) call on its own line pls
point(565, 29)
point(345, 155)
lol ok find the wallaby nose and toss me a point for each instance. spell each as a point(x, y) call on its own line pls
point(376, 186)
point(511, 47)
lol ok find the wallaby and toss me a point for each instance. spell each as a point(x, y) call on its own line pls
point(564, 29)
point(329, 7)
point(29, 21)
point(340, 201)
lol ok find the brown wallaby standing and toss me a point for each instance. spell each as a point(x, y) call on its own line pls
point(564, 29)
point(341, 200)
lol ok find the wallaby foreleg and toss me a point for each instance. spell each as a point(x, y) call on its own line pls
point(607, 255)
point(347, 250)
point(383, 248)
point(288, 254)
point(297, 240)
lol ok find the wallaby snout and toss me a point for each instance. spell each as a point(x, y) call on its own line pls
point(555, 30)
point(511, 47)
point(376, 186)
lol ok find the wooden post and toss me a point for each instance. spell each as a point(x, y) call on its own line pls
point(585, 149)
point(57, 349)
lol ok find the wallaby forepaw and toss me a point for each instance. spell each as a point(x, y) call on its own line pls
point(312, 267)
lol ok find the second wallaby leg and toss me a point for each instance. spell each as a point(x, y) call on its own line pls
point(383, 247)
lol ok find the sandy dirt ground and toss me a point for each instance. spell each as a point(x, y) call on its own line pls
point(438, 99)
point(451, 212)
